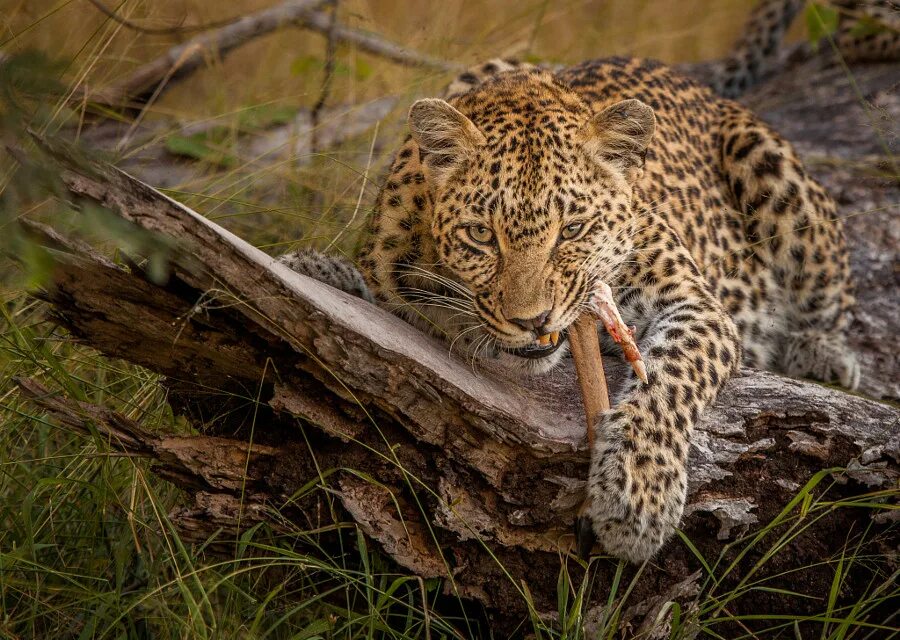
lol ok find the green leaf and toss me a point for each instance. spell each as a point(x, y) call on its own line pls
point(675, 624)
point(821, 21)
point(432, 584)
point(198, 147)
point(867, 26)
point(191, 146)
point(562, 592)
point(38, 264)
point(305, 64)
point(266, 115)
point(363, 70)
point(314, 630)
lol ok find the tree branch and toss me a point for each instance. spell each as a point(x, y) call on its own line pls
point(154, 77)
point(125, 22)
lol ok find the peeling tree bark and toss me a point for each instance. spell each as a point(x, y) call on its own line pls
point(474, 472)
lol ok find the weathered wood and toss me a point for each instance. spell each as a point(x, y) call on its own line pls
point(498, 467)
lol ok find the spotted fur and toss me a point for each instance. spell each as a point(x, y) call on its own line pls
point(514, 196)
point(718, 244)
point(868, 31)
point(331, 269)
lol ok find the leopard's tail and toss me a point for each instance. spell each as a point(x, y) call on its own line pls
point(868, 31)
point(755, 53)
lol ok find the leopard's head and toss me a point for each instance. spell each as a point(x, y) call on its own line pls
point(532, 203)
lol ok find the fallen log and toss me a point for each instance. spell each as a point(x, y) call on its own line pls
point(477, 480)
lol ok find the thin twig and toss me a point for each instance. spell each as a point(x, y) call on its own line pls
point(159, 31)
point(192, 54)
point(377, 45)
point(327, 77)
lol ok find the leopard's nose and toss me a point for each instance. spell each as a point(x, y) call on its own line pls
point(535, 324)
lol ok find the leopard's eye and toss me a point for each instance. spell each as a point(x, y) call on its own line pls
point(572, 230)
point(480, 234)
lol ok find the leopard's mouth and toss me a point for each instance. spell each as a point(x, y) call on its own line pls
point(542, 347)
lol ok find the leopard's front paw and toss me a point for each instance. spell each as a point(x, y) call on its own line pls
point(635, 493)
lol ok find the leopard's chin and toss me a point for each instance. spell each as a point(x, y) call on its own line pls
point(530, 365)
point(536, 351)
point(532, 359)
point(536, 358)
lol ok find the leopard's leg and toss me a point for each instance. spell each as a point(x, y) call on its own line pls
point(792, 231)
point(638, 477)
point(333, 270)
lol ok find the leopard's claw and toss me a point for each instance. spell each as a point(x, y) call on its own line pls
point(584, 537)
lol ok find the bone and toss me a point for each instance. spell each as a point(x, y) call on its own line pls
point(585, 346)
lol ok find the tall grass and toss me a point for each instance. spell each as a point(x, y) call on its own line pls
point(87, 546)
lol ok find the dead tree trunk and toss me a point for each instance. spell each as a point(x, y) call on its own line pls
point(478, 479)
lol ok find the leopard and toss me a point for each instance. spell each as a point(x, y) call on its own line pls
point(864, 31)
point(522, 190)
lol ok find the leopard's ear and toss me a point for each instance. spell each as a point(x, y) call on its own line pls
point(444, 135)
point(619, 136)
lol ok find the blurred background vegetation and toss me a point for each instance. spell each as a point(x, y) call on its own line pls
point(270, 79)
point(278, 68)
point(86, 548)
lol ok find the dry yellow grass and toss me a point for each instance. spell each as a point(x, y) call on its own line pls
point(285, 69)
point(460, 30)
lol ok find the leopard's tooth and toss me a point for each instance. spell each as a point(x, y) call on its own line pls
point(544, 339)
point(554, 338)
